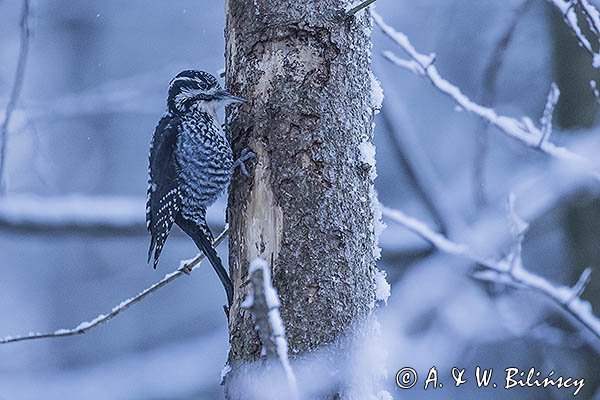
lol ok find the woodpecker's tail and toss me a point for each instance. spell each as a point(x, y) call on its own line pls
point(200, 233)
point(156, 246)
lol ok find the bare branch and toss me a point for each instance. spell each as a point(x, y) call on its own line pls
point(582, 282)
point(16, 88)
point(262, 300)
point(524, 131)
point(438, 240)
point(502, 272)
point(354, 9)
point(488, 97)
point(84, 327)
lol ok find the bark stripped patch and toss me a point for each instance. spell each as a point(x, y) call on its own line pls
point(263, 233)
point(295, 50)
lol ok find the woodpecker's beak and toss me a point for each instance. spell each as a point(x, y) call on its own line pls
point(226, 97)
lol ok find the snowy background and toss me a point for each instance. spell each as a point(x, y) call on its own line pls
point(72, 237)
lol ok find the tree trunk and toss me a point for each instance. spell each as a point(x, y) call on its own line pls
point(307, 208)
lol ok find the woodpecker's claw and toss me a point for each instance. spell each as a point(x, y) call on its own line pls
point(244, 156)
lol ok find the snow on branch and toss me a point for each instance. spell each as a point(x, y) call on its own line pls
point(522, 130)
point(510, 270)
point(264, 304)
point(569, 9)
point(17, 85)
point(80, 214)
point(185, 267)
point(546, 120)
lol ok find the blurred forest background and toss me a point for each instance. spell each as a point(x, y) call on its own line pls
point(72, 234)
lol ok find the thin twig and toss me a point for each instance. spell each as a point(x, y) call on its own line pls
point(546, 120)
point(17, 85)
point(582, 282)
point(568, 299)
point(188, 265)
point(359, 7)
point(524, 130)
point(488, 97)
point(518, 228)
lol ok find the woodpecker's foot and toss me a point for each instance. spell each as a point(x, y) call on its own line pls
point(244, 156)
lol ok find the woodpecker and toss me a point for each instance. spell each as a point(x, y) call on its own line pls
point(190, 165)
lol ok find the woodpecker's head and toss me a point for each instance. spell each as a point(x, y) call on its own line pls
point(197, 89)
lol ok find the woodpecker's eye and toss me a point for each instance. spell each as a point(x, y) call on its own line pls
point(190, 86)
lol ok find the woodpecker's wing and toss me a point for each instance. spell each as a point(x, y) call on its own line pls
point(164, 197)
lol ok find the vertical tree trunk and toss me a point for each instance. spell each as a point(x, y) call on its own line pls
point(305, 70)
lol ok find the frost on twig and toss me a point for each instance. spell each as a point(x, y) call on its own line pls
point(546, 120)
point(569, 10)
point(502, 271)
point(264, 304)
point(84, 327)
point(523, 130)
point(17, 85)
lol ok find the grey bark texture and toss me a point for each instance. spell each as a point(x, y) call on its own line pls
point(304, 68)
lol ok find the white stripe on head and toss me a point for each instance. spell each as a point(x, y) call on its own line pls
point(186, 93)
point(183, 79)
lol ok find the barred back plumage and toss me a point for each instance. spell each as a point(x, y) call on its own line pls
point(190, 165)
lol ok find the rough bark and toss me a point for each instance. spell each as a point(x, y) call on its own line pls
point(305, 70)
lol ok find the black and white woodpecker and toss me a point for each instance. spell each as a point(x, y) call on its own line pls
point(191, 164)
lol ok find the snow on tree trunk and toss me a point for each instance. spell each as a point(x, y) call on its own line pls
point(305, 69)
